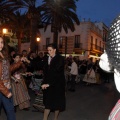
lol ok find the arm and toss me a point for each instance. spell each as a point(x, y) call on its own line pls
point(15, 66)
point(4, 90)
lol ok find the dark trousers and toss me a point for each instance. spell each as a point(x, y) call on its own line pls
point(72, 83)
point(7, 103)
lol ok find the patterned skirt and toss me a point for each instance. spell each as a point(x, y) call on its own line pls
point(20, 92)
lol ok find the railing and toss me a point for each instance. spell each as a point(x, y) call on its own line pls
point(78, 45)
point(96, 47)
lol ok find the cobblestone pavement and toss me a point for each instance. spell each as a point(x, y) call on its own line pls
point(92, 102)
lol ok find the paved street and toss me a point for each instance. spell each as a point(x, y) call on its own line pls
point(86, 103)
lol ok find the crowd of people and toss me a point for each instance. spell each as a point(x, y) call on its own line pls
point(50, 75)
point(84, 71)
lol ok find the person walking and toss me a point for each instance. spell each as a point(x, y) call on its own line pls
point(5, 84)
point(82, 70)
point(74, 73)
point(97, 70)
point(53, 85)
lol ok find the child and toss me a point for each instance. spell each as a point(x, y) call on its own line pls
point(37, 80)
point(19, 89)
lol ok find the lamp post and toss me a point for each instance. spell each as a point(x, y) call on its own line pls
point(38, 40)
point(65, 46)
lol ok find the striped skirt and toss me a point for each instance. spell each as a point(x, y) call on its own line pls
point(20, 92)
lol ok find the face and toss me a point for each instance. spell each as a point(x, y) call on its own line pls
point(24, 53)
point(12, 53)
point(17, 59)
point(1, 44)
point(51, 51)
point(34, 55)
point(41, 55)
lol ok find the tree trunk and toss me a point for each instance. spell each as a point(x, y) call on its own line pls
point(33, 33)
point(55, 37)
point(19, 45)
point(19, 37)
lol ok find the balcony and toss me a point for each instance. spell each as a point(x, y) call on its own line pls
point(78, 46)
point(97, 48)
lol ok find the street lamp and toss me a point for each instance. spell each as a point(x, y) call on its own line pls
point(4, 31)
point(38, 40)
point(66, 39)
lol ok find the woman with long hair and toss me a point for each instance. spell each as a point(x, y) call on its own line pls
point(5, 82)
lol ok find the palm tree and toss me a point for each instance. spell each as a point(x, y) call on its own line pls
point(60, 14)
point(19, 23)
point(33, 14)
point(6, 8)
point(9, 18)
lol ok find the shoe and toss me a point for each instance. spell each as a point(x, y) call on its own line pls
point(71, 90)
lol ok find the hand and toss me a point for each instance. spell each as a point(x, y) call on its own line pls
point(8, 86)
point(45, 86)
point(9, 95)
point(23, 59)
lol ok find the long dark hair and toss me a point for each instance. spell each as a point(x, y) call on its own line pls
point(5, 48)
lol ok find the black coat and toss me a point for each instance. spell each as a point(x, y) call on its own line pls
point(54, 96)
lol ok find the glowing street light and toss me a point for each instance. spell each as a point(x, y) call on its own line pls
point(4, 31)
point(38, 40)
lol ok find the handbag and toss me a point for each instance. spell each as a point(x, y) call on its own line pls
point(115, 113)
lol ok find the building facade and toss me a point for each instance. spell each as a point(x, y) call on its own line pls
point(88, 40)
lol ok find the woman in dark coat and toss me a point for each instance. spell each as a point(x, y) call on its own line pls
point(54, 83)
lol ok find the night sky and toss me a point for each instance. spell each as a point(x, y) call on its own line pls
point(98, 10)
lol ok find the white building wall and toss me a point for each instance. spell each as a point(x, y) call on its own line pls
point(85, 30)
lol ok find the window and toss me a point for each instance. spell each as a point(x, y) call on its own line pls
point(60, 42)
point(95, 43)
point(47, 41)
point(100, 43)
point(77, 41)
point(100, 46)
point(91, 40)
